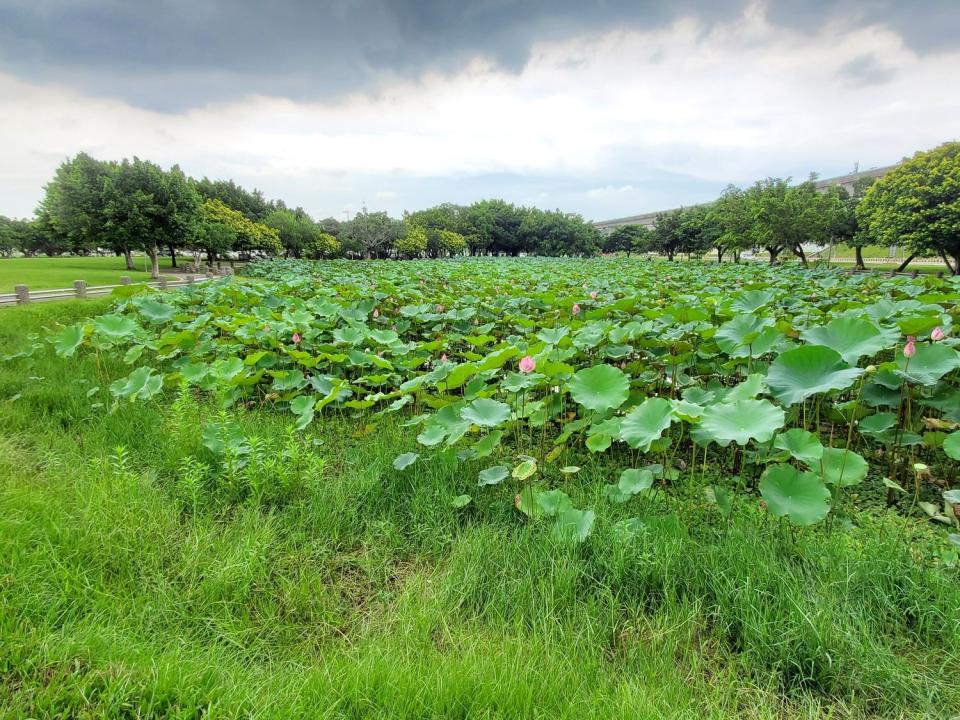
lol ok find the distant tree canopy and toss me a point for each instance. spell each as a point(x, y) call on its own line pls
point(93, 205)
point(918, 205)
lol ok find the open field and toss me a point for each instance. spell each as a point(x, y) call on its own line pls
point(44, 273)
point(341, 490)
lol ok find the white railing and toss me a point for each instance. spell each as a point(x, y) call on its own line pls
point(23, 294)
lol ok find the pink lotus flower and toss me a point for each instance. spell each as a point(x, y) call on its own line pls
point(443, 358)
point(296, 338)
point(937, 334)
point(575, 309)
point(527, 364)
point(593, 295)
point(909, 350)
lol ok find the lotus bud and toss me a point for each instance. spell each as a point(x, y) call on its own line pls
point(593, 295)
point(439, 308)
point(527, 364)
point(937, 334)
point(296, 338)
point(576, 309)
point(870, 369)
point(909, 350)
point(443, 358)
point(376, 313)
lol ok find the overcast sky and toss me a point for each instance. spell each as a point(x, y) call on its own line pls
point(602, 107)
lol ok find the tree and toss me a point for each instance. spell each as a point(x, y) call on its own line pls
point(917, 204)
point(298, 232)
point(224, 229)
point(146, 205)
point(698, 230)
point(628, 239)
point(556, 234)
point(493, 226)
point(732, 214)
point(412, 243)
point(451, 243)
point(370, 235)
point(846, 229)
point(28, 237)
point(74, 205)
point(666, 238)
point(322, 246)
point(251, 203)
point(435, 221)
point(787, 217)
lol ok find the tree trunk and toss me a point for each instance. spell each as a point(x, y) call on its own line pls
point(903, 265)
point(774, 252)
point(798, 251)
point(154, 262)
point(173, 256)
point(858, 250)
point(736, 257)
point(719, 255)
point(128, 257)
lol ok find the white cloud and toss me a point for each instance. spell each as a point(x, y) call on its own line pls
point(611, 116)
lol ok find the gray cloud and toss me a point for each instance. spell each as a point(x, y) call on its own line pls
point(176, 54)
point(866, 70)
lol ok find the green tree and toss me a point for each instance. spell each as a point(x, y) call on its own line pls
point(733, 215)
point(412, 243)
point(556, 234)
point(917, 204)
point(846, 229)
point(322, 247)
point(628, 239)
point(451, 243)
point(493, 227)
point(699, 231)
point(298, 233)
point(667, 237)
point(224, 229)
point(370, 235)
point(251, 203)
point(787, 217)
point(435, 221)
point(153, 208)
point(73, 210)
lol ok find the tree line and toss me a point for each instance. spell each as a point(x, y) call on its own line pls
point(916, 205)
point(133, 205)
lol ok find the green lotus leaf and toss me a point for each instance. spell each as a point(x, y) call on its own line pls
point(486, 412)
point(877, 423)
point(736, 336)
point(154, 311)
point(485, 445)
point(460, 501)
point(807, 370)
point(66, 342)
point(142, 384)
point(720, 497)
point(600, 388)
point(951, 446)
point(401, 462)
point(930, 363)
point(553, 502)
point(741, 421)
point(493, 475)
point(631, 483)
point(524, 470)
point(573, 525)
point(646, 423)
point(840, 467)
point(801, 444)
point(852, 337)
point(751, 301)
point(801, 497)
point(114, 327)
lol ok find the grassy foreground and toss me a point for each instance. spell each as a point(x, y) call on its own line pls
point(45, 273)
point(128, 589)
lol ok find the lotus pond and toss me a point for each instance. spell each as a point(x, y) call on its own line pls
point(807, 391)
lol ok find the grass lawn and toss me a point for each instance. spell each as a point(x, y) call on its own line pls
point(127, 589)
point(44, 273)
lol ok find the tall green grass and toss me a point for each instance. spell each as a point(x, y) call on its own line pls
point(127, 590)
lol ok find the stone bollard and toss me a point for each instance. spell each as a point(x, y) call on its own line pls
point(23, 294)
point(940, 274)
point(162, 282)
point(209, 274)
point(124, 279)
point(189, 279)
point(915, 274)
point(80, 288)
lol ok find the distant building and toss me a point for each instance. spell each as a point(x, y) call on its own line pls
point(649, 219)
